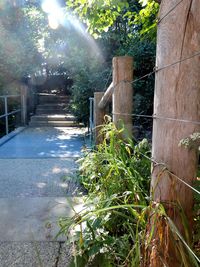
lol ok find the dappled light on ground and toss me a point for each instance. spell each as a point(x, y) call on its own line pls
point(44, 143)
point(35, 177)
point(42, 160)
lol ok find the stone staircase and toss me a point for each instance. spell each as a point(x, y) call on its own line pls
point(53, 110)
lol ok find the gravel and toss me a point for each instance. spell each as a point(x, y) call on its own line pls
point(34, 254)
point(38, 177)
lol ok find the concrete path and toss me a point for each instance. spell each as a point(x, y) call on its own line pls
point(46, 142)
point(37, 186)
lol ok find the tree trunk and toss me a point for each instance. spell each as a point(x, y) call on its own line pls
point(177, 96)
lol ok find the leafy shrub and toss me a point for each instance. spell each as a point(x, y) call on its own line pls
point(117, 178)
point(89, 78)
point(118, 225)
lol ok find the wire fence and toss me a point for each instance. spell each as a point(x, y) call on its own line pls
point(109, 76)
point(153, 117)
point(170, 11)
point(155, 70)
point(165, 169)
point(157, 117)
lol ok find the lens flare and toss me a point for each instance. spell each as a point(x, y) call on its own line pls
point(49, 6)
point(54, 11)
point(53, 22)
point(57, 15)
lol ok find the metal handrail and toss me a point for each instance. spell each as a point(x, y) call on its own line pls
point(10, 113)
point(91, 119)
point(7, 114)
point(3, 96)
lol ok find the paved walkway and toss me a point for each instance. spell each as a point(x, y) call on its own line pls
point(36, 169)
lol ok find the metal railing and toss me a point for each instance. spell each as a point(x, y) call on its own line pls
point(91, 119)
point(6, 111)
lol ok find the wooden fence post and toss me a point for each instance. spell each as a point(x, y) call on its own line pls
point(24, 95)
point(123, 93)
point(98, 117)
point(177, 96)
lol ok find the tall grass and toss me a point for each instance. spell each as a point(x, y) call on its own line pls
point(113, 229)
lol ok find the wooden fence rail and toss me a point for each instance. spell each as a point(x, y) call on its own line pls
point(107, 97)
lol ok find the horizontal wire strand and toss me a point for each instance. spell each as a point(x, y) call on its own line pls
point(156, 70)
point(157, 117)
point(178, 61)
point(171, 10)
point(161, 68)
point(164, 165)
point(109, 75)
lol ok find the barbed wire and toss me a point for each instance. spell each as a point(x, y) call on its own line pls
point(165, 169)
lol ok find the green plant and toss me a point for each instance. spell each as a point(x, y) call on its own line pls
point(193, 142)
point(114, 229)
point(196, 232)
point(117, 178)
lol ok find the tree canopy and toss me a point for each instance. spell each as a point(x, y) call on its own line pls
point(100, 16)
point(30, 47)
point(19, 55)
point(124, 28)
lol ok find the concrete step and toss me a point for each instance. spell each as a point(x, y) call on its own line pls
point(53, 99)
point(58, 117)
point(48, 109)
point(53, 105)
point(51, 112)
point(54, 124)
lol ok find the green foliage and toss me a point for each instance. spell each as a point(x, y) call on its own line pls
point(114, 229)
point(117, 178)
point(147, 18)
point(89, 74)
point(100, 15)
point(191, 142)
point(18, 52)
point(196, 231)
point(123, 28)
point(118, 163)
point(143, 52)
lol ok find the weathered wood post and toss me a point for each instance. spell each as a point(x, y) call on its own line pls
point(123, 93)
point(98, 117)
point(177, 96)
point(24, 95)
